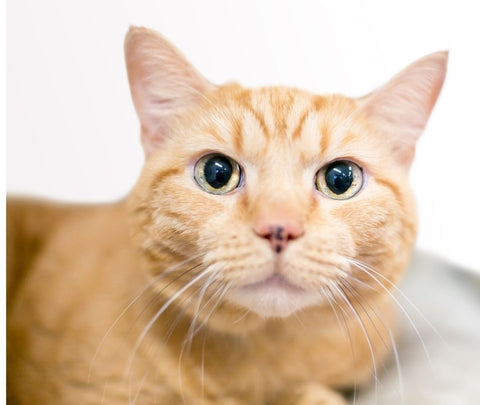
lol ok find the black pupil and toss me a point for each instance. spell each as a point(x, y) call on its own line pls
point(217, 171)
point(339, 177)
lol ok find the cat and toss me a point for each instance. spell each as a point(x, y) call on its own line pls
point(253, 261)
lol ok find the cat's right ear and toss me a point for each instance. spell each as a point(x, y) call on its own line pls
point(401, 107)
point(163, 84)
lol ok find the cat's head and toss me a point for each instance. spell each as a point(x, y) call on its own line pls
point(272, 199)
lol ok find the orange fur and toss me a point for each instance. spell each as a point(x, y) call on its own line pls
point(86, 283)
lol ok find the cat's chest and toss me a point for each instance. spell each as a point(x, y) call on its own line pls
point(300, 352)
point(278, 357)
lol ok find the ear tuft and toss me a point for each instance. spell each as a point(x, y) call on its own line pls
point(402, 106)
point(162, 82)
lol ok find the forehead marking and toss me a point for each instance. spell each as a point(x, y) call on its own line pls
point(325, 137)
point(296, 134)
point(237, 129)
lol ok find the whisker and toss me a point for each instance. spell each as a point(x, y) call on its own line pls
point(368, 272)
point(156, 296)
point(191, 329)
point(350, 276)
point(132, 302)
point(347, 286)
point(202, 375)
point(103, 394)
point(223, 291)
point(137, 394)
point(180, 379)
point(397, 289)
point(347, 301)
point(183, 306)
point(202, 366)
point(159, 313)
point(241, 318)
point(359, 297)
point(332, 300)
point(327, 293)
point(396, 356)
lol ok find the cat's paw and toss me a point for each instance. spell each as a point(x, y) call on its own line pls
point(311, 394)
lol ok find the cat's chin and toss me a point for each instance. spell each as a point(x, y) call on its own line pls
point(274, 297)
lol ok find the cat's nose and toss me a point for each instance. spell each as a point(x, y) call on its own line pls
point(279, 234)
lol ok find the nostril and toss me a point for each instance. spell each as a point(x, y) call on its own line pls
point(279, 235)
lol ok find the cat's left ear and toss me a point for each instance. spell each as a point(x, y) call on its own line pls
point(163, 84)
point(400, 108)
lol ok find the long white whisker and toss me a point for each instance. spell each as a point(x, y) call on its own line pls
point(137, 394)
point(202, 377)
point(191, 329)
point(219, 300)
point(326, 290)
point(183, 305)
point(102, 400)
point(159, 313)
point(400, 306)
point(183, 309)
point(132, 302)
point(327, 293)
point(180, 379)
point(345, 299)
point(397, 363)
point(366, 267)
point(155, 297)
point(359, 297)
point(350, 276)
point(241, 318)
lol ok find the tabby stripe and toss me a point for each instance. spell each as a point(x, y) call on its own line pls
point(212, 130)
point(319, 103)
point(280, 109)
point(347, 140)
point(161, 176)
point(237, 125)
point(298, 130)
point(245, 102)
point(259, 118)
point(325, 137)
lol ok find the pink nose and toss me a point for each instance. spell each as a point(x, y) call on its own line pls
point(279, 234)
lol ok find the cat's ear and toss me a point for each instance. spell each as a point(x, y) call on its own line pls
point(400, 108)
point(163, 83)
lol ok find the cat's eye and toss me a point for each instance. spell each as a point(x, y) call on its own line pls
point(340, 180)
point(217, 174)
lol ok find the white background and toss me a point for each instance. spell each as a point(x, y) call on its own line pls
point(73, 134)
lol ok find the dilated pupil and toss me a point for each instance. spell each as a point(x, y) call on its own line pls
point(339, 177)
point(217, 171)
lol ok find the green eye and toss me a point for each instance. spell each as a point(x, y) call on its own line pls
point(340, 180)
point(217, 174)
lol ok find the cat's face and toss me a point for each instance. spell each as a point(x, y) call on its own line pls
point(275, 199)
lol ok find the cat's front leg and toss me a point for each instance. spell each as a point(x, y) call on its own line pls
point(310, 394)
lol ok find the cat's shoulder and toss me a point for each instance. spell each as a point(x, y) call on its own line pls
point(36, 226)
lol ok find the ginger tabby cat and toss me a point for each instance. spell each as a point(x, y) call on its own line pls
point(250, 265)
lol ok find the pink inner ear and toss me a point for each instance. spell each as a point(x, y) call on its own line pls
point(162, 82)
point(401, 107)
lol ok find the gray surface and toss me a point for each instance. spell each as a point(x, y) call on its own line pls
point(449, 298)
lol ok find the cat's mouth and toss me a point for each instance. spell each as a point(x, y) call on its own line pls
point(274, 296)
point(272, 283)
